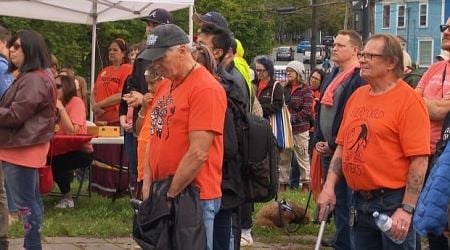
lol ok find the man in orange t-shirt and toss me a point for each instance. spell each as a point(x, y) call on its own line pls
point(383, 148)
point(187, 123)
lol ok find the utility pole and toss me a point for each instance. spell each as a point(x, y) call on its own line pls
point(346, 15)
point(312, 59)
point(365, 19)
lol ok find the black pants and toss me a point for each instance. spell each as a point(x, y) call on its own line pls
point(63, 166)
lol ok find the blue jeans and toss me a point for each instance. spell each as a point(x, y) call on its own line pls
point(210, 209)
point(11, 206)
point(3, 213)
point(222, 230)
point(341, 211)
point(365, 231)
point(23, 183)
point(130, 144)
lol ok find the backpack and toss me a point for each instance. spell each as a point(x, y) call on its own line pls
point(260, 169)
point(413, 77)
point(442, 143)
point(249, 170)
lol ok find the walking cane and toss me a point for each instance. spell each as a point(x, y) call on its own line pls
point(322, 227)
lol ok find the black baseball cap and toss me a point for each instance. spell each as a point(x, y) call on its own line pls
point(162, 38)
point(158, 16)
point(211, 17)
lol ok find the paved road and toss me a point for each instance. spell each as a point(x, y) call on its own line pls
point(78, 243)
point(297, 57)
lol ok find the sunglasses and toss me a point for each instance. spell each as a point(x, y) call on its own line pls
point(444, 27)
point(58, 86)
point(16, 46)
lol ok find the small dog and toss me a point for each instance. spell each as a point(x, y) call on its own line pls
point(291, 212)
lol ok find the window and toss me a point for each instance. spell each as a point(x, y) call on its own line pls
point(386, 16)
point(401, 16)
point(423, 9)
point(425, 53)
point(356, 22)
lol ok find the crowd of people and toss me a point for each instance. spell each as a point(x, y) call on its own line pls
point(172, 101)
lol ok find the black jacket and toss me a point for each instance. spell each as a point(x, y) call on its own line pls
point(265, 98)
point(350, 85)
point(182, 227)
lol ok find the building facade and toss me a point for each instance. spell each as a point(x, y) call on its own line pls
point(417, 22)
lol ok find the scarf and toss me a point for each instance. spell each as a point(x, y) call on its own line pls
point(327, 98)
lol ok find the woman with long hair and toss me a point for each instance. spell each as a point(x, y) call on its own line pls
point(299, 99)
point(72, 120)
point(107, 91)
point(27, 112)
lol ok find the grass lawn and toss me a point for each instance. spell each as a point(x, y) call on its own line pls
point(99, 217)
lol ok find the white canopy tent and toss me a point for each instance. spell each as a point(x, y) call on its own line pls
point(91, 12)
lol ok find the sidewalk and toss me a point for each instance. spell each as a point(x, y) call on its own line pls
point(79, 243)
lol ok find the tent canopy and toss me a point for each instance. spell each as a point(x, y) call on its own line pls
point(84, 11)
point(91, 12)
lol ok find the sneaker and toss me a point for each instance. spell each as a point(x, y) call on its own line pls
point(65, 203)
point(13, 218)
point(246, 240)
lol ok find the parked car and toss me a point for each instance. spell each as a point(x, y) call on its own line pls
point(285, 54)
point(302, 46)
point(328, 40)
point(320, 54)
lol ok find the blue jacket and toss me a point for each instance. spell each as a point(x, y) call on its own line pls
point(6, 78)
point(351, 84)
point(431, 209)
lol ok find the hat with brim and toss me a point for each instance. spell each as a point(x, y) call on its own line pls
point(162, 38)
point(211, 17)
point(158, 16)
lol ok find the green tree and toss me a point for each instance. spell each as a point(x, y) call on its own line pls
point(248, 20)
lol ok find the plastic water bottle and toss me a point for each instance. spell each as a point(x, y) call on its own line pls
point(384, 222)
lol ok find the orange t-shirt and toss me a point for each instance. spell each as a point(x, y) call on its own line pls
point(198, 104)
point(77, 113)
point(434, 87)
point(144, 133)
point(379, 133)
point(108, 83)
point(34, 156)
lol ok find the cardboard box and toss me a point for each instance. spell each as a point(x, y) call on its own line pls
point(103, 131)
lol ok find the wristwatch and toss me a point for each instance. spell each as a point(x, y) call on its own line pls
point(408, 208)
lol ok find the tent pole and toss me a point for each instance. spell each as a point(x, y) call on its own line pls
point(191, 23)
point(93, 43)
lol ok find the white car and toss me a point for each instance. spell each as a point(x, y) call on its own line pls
point(320, 54)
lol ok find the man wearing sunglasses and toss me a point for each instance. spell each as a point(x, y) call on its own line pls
point(434, 87)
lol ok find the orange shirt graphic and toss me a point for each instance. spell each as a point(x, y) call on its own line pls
point(379, 133)
point(144, 134)
point(108, 83)
point(198, 104)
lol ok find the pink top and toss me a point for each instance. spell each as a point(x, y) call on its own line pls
point(77, 113)
point(33, 156)
point(434, 85)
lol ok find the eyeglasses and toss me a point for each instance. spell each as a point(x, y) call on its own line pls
point(444, 27)
point(260, 70)
point(58, 86)
point(290, 71)
point(16, 46)
point(367, 56)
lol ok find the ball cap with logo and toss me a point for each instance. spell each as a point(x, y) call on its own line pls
point(158, 16)
point(162, 38)
point(211, 17)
